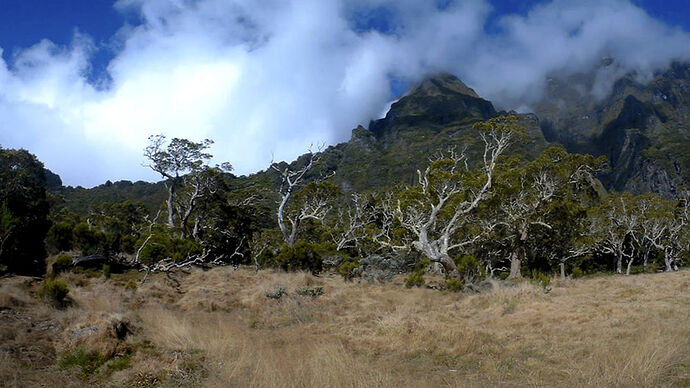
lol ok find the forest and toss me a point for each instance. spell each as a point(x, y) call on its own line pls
point(471, 213)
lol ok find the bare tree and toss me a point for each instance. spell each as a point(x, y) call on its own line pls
point(351, 223)
point(616, 228)
point(448, 192)
point(179, 157)
point(313, 205)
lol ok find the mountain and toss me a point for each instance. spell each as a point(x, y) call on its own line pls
point(642, 126)
point(436, 114)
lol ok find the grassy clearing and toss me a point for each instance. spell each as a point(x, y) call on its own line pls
point(218, 328)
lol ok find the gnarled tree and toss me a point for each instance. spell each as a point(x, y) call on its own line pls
point(449, 192)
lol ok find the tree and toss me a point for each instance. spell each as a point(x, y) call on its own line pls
point(312, 202)
point(23, 213)
point(525, 198)
point(179, 157)
point(449, 192)
point(615, 225)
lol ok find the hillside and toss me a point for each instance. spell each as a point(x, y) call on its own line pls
point(642, 128)
point(217, 327)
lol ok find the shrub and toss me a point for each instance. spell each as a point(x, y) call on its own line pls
point(301, 256)
point(106, 271)
point(470, 268)
point(54, 292)
point(454, 285)
point(348, 269)
point(277, 293)
point(87, 362)
point(384, 267)
point(312, 291)
point(577, 272)
point(59, 237)
point(415, 279)
point(63, 263)
point(540, 279)
point(153, 252)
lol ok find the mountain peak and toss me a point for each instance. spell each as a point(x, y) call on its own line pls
point(440, 84)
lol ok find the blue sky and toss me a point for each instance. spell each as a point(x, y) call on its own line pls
point(92, 79)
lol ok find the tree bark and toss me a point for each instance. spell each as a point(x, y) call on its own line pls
point(515, 264)
point(171, 211)
point(627, 270)
point(562, 265)
point(619, 263)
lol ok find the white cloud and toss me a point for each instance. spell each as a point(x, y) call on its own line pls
point(273, 77)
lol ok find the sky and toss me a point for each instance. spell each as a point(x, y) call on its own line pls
point(84, 83)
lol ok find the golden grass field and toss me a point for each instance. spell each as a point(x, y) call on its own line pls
point(218, 328)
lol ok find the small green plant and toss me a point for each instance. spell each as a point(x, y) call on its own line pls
point(54, 292)
point(63, 263)
point(131, 285)
point(87, 362)
point(312, 291)
point(540, 279)
point(106, 271)
point(577, 272)
point(348, 269)
point(454, 285)
point(415, 279)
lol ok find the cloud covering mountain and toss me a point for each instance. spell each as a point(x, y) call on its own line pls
point(271, 77)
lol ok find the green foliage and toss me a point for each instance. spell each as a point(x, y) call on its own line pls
point(153, 252)
point(577, 272)
point(415, 279)
point(88, 240)
point(59, 237)
point(53, 292)
point(63, 263)
point(348, 269)
point(540, 279)
point(106, 271)
point(87, 362)
point(24, 209)
point(455, 285)
point(302, 256)
point(470, 268)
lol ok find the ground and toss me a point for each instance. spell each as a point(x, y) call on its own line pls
point(218, 328)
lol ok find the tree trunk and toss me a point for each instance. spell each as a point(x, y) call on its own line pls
point(171, 212)
point(515, 264)
point(562, 265)
point(644, 260)
point(627, 270)
point(449, 267)
point(619, 263)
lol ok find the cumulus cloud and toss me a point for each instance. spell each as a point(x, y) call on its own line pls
point(263, 78)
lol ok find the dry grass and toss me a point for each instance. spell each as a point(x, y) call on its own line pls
point(218, 328)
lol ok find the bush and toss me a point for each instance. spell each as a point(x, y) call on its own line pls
point(302, 256)
point(470, 268)
point(540, 279)
point(454, 285)
point(63, 263)
point(59, 237)
point(153, 252)
point(415, 279)
point(106, 271)
point(277, 293)
point(348, 269)
point(577, 272)
point(54, 292)
point(312, 291)
point(384, 267)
